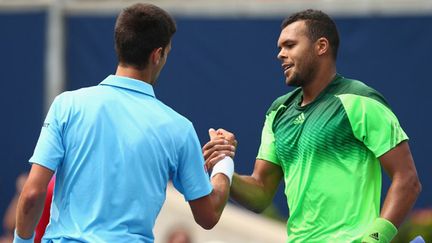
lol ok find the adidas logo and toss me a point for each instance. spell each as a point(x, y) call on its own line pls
point(299, 120)
point(374, 236)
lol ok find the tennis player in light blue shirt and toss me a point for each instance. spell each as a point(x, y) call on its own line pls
point(115, 146)
point(113, 163)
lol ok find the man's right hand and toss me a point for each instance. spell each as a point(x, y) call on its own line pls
point(222, 143)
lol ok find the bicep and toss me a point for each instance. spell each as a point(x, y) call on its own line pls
point(268, 175)
point(398, 161)
point(39, 176)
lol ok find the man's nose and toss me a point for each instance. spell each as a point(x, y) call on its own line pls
point(281, 55)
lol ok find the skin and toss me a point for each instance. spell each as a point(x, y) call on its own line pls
point(310, 65)
point(405, 187)
point(206, 210)
point(31, 200)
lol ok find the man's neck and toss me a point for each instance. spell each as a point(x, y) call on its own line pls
point(321, 80)
point(131, 72)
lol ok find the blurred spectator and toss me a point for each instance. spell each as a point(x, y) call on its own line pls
point(419, 223)
point(9, 217)
point(179, 234)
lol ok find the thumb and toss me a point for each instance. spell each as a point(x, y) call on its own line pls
point(212, 133)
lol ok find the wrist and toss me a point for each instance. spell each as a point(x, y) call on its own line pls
point(381, 230)
point(18, 239)
point(225, 166)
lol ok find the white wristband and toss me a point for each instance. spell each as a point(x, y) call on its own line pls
point(225, 166)
point(18, 239)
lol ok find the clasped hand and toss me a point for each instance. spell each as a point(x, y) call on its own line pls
point(222, 143)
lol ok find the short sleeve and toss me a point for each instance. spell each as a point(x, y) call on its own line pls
point(190, 178)
point(373, 123)
point(267, 149)
point(49, 150)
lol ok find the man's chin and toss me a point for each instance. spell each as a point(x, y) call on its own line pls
point(291, 83)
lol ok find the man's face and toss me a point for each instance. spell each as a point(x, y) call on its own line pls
point(296, 52)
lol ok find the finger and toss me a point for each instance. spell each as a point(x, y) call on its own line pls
point(209, 148)
point(210, 157)
point(224, 147)
point(228, 150)
point(225, 133)
point(228, 135)
point(213, 158)
point(212, 162)
point(227, 153)
point(212, 143)
point(218, 148)
point(232, 143)
point(212, 133)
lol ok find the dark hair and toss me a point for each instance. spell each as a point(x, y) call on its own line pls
point(139, 30)
point(319, 25)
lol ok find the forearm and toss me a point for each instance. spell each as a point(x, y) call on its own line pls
point(249, 192)
point(208, 209)
point(29, 210)
point(400, 198)
point(220, 193)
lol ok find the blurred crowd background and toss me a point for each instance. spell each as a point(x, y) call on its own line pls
point(222, 72)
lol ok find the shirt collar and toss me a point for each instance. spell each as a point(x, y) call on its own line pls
point(129, 83)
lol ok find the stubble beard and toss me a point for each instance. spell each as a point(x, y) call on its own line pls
point(295, 80)
point(303, 76)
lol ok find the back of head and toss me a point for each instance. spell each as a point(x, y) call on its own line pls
point(139, 30)
point(319, 25)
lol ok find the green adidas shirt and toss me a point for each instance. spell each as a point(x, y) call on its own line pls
point(328, 152)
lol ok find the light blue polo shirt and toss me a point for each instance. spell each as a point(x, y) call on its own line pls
point(114, 148)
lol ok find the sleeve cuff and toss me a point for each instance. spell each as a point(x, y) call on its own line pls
point(18, 239)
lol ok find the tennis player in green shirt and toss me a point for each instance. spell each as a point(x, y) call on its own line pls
point(327, 140)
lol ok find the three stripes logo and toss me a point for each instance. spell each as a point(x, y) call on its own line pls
point(299, 120)
point(374, 236)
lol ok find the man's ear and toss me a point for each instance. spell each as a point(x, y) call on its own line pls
point(156, 55)
point(322, 46)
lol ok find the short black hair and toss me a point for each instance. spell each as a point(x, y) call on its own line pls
point(319, 25)
point(139, 30)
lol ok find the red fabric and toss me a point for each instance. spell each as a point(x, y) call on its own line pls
point(44, 220)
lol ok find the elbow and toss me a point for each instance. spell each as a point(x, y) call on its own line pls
point(417, 187)
point(208, 226)
point(412, 185)
point(31, 198)
point(208, 222)
point(258, 209)
point(259, 206)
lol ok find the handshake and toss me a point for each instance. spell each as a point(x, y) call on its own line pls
point(219, 153)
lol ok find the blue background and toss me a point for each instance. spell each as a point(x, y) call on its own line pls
point(22, 40)
point(222, 72)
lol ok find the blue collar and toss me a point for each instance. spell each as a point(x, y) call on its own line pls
point(129, 83)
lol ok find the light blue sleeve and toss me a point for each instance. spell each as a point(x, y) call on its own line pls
point(190, 178)
point(49, 150)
